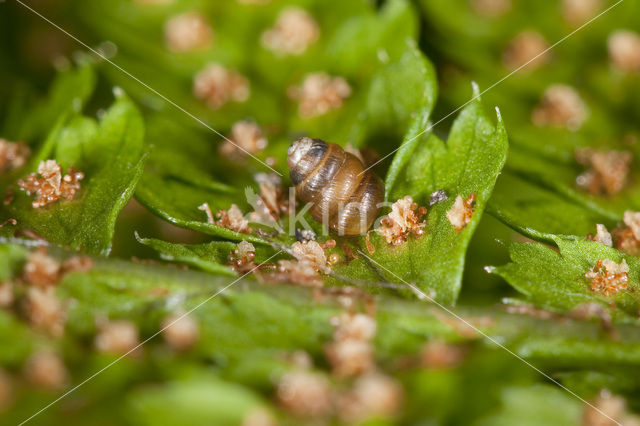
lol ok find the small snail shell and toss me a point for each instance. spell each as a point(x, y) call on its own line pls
point(342, 197)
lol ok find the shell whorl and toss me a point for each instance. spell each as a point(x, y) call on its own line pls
point(332, 180)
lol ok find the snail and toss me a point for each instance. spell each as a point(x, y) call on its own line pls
point(343, 195)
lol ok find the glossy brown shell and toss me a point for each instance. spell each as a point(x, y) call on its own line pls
point(331, 179)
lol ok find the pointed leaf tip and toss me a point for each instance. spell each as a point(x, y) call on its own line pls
point(476, 90)
point(118, 92)
point(498, 115)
